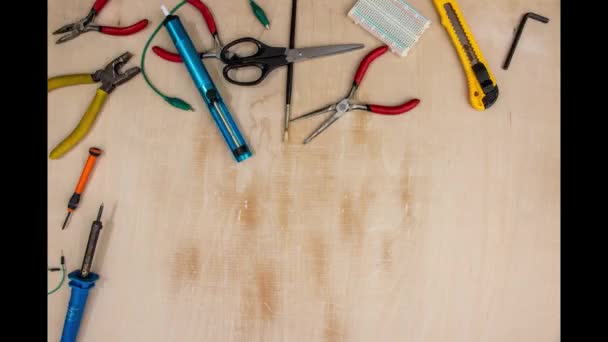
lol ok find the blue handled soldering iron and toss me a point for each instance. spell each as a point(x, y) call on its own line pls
point(211, 96)
point(81, 282)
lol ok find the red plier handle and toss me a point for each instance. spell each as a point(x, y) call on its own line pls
point(174, 57)
point(170, 56)
point(124, 31)
point(116, 31)
point(99, 4)
point(206, 15)
point(166, 55)
point(362, 70)
point(395, 110)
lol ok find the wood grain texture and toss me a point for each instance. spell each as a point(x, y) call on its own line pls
point(438, 225)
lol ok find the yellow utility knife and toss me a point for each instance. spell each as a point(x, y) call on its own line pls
point(483, 90)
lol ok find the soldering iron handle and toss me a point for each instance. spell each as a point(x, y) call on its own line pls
point(78, 300)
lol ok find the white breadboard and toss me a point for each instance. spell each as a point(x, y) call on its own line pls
point(394, 22)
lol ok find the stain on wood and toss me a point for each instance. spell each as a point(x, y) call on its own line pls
point(283, 212)
point(201, 150)
point(349, 218)
point(185, 266)
point(263, 99)
point(280, 193)
point(248, 311)
point(406, 193)
point(387, 253)
point(360, 127)
point(248, 212)
point(353, 210)
point(266, 293)
point(334, 327)
point(318, 251)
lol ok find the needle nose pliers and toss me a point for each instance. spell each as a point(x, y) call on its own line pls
point(73, 30)
point(110, 78)
point(345, 105)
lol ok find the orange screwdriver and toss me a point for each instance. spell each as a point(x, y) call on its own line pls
point(94, 152)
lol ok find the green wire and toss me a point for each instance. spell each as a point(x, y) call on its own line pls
point(174, 101)
point(62, 280)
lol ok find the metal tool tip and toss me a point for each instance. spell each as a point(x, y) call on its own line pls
point(267, 27)
point(100, 212)
point(67, 218)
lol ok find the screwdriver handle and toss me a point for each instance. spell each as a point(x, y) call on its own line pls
point(94, 152)
point(78, 300)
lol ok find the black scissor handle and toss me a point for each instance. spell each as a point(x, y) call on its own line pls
point(263, 51)
point(266, 59)
point(264, 68)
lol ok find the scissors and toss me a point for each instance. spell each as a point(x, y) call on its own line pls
point(267, 58)
point(260, 62)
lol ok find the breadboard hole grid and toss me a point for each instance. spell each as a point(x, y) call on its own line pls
point(394, 22)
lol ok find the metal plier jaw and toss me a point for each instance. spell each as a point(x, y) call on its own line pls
point(111, 76)
point(339, 109)
point(75, 29)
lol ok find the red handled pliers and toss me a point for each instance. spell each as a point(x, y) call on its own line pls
point(86, 24)
point(213, 53)
point(345, 106)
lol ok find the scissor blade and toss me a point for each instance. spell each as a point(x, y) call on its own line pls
point(297, 55)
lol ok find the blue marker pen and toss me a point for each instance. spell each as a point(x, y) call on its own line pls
point(218, 109)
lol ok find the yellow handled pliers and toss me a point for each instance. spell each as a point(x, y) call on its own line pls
point(110, 78)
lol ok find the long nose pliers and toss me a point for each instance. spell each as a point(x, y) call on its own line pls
point(110, 78)
point(344, 106)
point(85, 24)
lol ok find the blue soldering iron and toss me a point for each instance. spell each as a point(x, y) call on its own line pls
point(211, 96)
point(81, 282)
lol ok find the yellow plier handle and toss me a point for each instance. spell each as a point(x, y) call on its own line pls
point(483, 90)
point(69, 80)
point(89, 116)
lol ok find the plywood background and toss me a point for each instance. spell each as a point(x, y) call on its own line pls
point(439, 225)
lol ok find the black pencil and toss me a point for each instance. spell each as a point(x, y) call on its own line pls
point(292, 41)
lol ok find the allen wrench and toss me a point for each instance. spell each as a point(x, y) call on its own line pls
point(520, 29)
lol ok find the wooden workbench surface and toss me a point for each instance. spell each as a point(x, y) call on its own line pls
point(438, 225)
